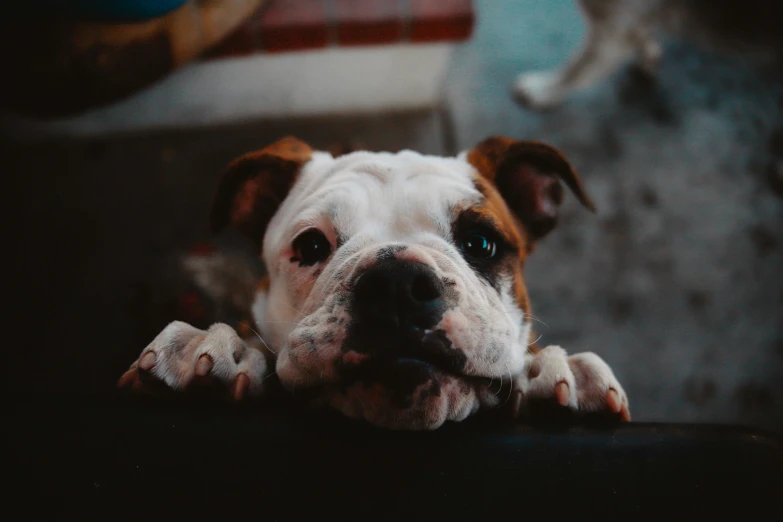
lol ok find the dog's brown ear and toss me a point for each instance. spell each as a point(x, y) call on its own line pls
point(253, 186)
point(527, 175)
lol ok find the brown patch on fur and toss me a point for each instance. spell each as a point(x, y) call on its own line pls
point(342, 148)
point(263, 284)
point(254, 185)
point(520, 184)
point(488, 154)
point(527, 175)
point(495, 210)
point(288, 148)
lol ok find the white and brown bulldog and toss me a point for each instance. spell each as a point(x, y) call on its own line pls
point(395, 289)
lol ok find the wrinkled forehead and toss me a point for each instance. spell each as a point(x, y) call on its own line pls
point(383, 194)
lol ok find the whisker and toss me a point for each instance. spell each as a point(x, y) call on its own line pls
point(534, 342)
point(531, 316)
point(295, 310)
point(510, 388)
point(262, 340)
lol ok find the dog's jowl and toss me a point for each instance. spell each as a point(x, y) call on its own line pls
point(395, 289)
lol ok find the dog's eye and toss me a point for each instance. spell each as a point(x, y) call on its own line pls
point(311, 248)
point(478, 246)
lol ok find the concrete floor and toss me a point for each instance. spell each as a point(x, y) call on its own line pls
point(676, 281)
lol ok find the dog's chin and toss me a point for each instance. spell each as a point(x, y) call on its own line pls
point(406, 395)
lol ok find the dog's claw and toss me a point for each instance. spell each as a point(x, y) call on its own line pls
point(127, 378)
point(562, 393)
point(182, 358)
point(516, 404)
point(204, 365)
point(147, 361)
point(241, 384)
point(583, 383)
point(625, 414)
point(616, 405)
point(613, 401)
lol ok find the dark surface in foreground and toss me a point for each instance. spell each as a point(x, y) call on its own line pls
point(119, 459)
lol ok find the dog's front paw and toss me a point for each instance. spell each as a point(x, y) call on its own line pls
point(582, 383)
point(539, 90)
point(184, 358)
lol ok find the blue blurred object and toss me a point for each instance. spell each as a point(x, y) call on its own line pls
point(90, 10)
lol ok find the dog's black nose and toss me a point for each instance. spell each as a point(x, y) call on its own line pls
point(400, 294)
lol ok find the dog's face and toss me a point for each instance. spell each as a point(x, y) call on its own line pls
point(396, 291)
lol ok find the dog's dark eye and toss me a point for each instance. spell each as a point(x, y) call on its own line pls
point(311, 248)
point(478, 246)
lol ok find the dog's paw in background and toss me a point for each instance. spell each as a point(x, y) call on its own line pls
point(224, 282)
point(202, 285)
point(184, 358)
point(557, 385)
point(539, 90)
point(615, 36)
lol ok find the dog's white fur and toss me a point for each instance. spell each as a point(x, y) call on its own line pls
point(375, 201)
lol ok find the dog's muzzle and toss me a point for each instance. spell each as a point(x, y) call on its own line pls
point(395, 310)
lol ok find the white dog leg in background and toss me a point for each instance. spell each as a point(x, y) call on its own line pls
point(616, 30)
point(648, 50)
point(603, 52)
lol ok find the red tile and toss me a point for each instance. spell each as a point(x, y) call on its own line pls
point(441, 20)
point(368, 22)
point(242, 41)
point(294, 25)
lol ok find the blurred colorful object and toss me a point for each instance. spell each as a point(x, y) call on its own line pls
point(92, 10)
point(62, 62)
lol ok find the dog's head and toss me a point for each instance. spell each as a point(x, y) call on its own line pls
point(396, 291)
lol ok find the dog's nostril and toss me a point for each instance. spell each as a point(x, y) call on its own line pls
point(424, 289)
